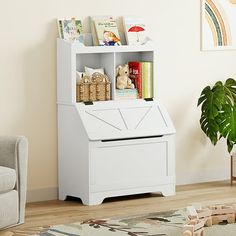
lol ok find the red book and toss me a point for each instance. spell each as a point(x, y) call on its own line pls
point(135, 71)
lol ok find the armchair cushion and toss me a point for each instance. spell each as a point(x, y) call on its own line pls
point(7, 179)
point(13, 163)
point(9, 209)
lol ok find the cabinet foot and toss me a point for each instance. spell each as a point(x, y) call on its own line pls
point(62, 196)
point(168, 191)
point(93, 200)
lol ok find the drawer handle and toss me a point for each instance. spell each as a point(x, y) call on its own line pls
point(122, 139)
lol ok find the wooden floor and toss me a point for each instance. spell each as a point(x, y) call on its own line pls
point(58, 212)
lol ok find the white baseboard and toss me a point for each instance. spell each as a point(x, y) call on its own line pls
point(42, 194)
point(202, 176)
point(45, 194)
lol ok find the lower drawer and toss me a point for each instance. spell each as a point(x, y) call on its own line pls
point(130, 164)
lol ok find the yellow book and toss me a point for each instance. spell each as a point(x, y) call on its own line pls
point(147, 79)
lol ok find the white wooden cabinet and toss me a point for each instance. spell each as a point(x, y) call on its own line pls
point(111, 148)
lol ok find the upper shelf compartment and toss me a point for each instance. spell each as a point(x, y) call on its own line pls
point(72, 57)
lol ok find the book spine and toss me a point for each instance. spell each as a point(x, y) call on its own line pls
point(60, 29)
point(125, 31)
point(147, 78)
point(93, 32)
point(143, 79)
point(151, 80)
point(135, 69)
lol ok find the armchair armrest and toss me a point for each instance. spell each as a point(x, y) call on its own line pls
point(14, 154)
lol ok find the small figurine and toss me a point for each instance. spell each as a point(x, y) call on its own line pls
point(122, 78)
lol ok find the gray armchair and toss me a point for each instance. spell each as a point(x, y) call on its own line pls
point(13, 179)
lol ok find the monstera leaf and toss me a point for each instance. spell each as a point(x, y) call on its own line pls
point(218, 106)
point(212, 100)
point(210, 128)
point(230, 91)
point(227, 126)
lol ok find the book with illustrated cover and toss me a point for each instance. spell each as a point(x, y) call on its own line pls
point(135, 31)
point(92, 26)
point(70, 29)
point(147, 79)
point(135, 71)
point(107, 32)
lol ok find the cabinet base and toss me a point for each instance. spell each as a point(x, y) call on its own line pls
point(98, 198)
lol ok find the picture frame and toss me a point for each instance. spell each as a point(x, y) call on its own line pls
point(218, 25)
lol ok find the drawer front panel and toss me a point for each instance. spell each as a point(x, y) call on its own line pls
point(128, 165)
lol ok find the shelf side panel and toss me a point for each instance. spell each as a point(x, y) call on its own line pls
point(107, 61)
point(66, 73)
point(73, 164)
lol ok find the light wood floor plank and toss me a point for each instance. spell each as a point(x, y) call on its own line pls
point(60, 212)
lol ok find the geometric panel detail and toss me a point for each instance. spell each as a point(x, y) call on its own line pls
point(111, 117)
point(134, 116)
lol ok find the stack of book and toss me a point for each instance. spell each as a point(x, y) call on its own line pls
point(141, 74)
point(126, 94)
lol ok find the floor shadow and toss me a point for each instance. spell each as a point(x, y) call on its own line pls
point(120, 198)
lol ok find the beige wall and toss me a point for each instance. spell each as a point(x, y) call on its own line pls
point(28, 79)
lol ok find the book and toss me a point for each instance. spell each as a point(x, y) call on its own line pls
point(135, 71)
point(92, 26)
point(70, 29)
point(106, 32)
point(135, 30)
point(147, 79)
point(60, 29)
point(126, 94)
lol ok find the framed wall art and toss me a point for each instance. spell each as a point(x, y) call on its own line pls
point(218, 24)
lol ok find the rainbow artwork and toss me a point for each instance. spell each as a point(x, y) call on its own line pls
point(218, 24)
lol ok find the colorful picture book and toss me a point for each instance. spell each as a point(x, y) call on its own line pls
point(141, 74)
point(70, 29)
point(104, 31)
point(92, 26)
point(135, 31)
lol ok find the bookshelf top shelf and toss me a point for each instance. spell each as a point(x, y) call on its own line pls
point(77, 48)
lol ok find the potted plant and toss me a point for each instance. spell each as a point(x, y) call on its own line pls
point(218, 106)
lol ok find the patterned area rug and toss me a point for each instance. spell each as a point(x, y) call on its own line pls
point(154, 224)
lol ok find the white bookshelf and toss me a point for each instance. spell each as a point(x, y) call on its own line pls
point(111, 148)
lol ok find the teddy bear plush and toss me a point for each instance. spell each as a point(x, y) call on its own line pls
point(122, 78)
